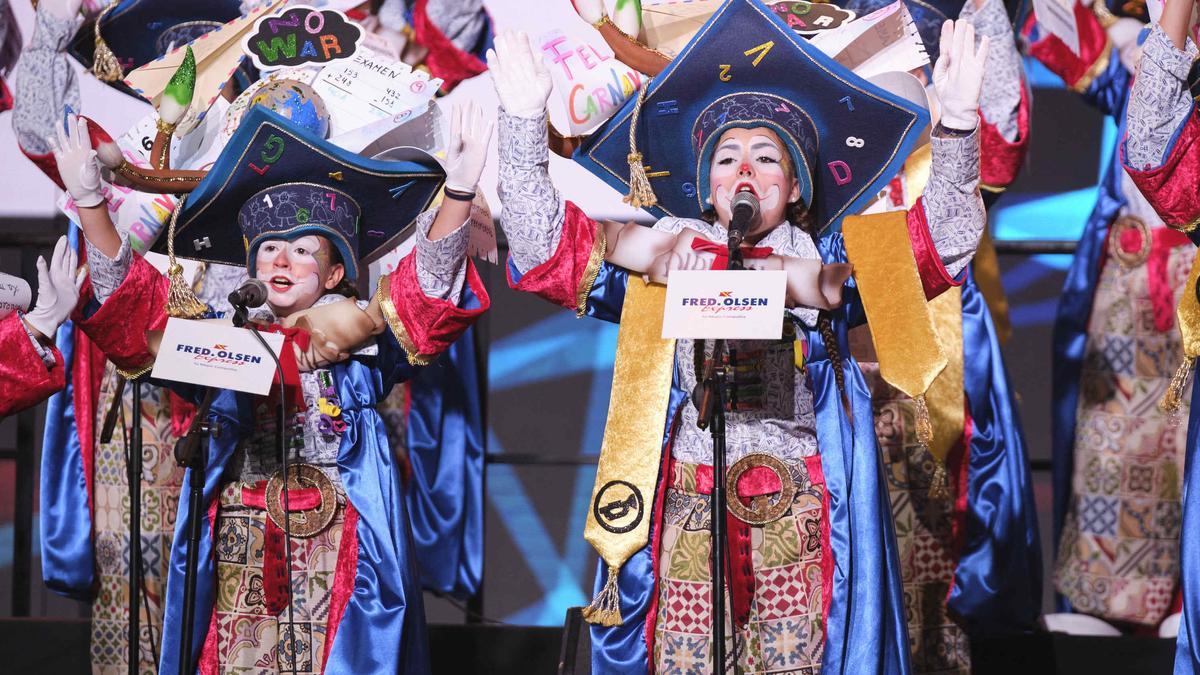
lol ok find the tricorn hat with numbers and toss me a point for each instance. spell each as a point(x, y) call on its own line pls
point(745, 68)
point(275, 180)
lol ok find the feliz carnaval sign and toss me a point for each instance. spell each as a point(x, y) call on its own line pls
point(301, 36)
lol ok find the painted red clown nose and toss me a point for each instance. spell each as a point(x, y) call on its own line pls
point(744, 168)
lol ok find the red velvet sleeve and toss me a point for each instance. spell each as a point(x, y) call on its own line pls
point(566, 278)
point(1077, 70)
point(934, 276)
point(46, 162)
point(119, 327)
point(424, 326)
point(444, 60)
point(1000, 160)
point(24, 379)
point(1171, 187)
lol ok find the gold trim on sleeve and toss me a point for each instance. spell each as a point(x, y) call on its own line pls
point(1098, 67)
point(599, 246)
point(384, 295)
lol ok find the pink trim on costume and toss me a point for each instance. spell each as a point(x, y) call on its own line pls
point(557, 280)
point(433, 324)
point(343, 577)
point(816, 474)
point(1171, 187)
point(1000, 160)
point(960, 469)
point(210, 654)
point(445, 60)
point(664, 476)
point(934, 277)
point(119, 327)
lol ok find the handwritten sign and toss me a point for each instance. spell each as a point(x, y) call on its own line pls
point(589, 81)
point(14, 295)
point(732, 304)
point(370, 87)
point(302, 35)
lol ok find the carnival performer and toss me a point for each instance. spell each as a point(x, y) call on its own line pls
point(86, 532)
point(32, 368)
point(806, 437)
point(1160, 149)
point(1118, 457)
point(963, 506)
point(306, 227)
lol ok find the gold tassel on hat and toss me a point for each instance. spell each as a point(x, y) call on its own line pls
point(640, 192)
point(605, 609)
point(182, 302)
point(104, 62)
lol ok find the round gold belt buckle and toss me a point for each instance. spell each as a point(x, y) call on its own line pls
point(1129, 259)
point(761, 510)
point(308, 523)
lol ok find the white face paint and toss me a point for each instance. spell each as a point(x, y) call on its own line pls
point(753, 160)
point(292, 272)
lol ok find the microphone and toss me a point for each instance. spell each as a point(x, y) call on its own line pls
point(744, 207)
point(252, 293)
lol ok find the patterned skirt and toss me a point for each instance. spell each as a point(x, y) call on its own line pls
point(162, 480)
point(785, 629)
point(926, 533)
point(251, 627)
point(1118, 557)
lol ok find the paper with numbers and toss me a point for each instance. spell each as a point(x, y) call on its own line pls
point(370, 87)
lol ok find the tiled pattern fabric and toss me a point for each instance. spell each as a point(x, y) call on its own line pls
point(924, 532)
point(249, 638)
point(1119, 552)
point(162, 481)
point(785, 633)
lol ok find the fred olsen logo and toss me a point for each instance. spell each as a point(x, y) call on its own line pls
point(217, 354)
point(724, 303)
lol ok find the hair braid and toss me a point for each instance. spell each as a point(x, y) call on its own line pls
point(834, 350)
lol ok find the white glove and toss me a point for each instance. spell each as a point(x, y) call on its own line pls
point(958, 75)
point(522, 80)
point(58, 289)
point(467, 152)
point(77, 163)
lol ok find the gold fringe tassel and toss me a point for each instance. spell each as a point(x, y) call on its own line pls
point(182, 302)
point(640, 192)
point(605, 609)
point(105, 66)
point(939, 487)
point(1173, 398)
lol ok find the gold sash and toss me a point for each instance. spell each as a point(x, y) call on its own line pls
point(618, 524)
point(1188, 315)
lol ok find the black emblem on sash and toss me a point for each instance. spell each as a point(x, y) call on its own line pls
point(618, 507)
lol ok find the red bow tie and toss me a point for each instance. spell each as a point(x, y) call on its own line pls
point(722, 252)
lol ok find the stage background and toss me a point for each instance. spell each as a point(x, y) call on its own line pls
point(550, 373)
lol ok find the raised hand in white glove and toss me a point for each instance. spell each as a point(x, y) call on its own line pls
point(58, 289)
point(77, 163)
point(522, 79)
point(467, 152)
point(958, 75)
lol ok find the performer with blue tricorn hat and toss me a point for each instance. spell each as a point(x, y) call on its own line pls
point(747, 106)
point(304, 217)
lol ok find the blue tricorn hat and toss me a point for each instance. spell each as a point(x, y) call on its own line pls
point(746, 68)
point(276, 180)
point(140, 31)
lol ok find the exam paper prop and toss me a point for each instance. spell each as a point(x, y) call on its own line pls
point(14, 295)
point(1058, 18)
point(590, 83)
point(370, 88)
point(218, 54)
point(885, 40)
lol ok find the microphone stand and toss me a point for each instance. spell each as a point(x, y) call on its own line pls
point(718, 380)
point(134, 469)
point(190, 452)
point(241, 320)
